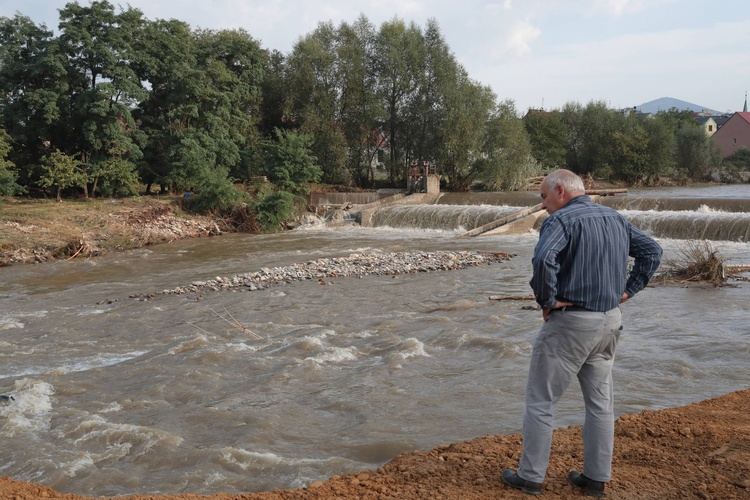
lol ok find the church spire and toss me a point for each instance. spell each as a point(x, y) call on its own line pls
point(744, 110)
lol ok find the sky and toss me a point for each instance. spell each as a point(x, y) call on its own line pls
point(538, 53)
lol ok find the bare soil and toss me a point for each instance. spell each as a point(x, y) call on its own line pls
point(34, 231)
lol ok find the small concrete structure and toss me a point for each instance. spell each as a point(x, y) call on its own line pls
point(423, 178)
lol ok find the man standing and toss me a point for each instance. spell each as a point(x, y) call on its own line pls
point(580, 278)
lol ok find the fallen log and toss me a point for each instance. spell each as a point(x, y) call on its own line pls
point(606, 192)
point(512, 297)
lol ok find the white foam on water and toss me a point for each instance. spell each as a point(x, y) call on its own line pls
point(111, 408)
point(30, 412)
point(73, 366)
point(246, 460)
point(411, 348)
point(115, 440)
point(335, 355)
point(243, 347)
point(705, 209)
point(16, 320)
point(189, 345)
point(72, 468)
point(91, 312)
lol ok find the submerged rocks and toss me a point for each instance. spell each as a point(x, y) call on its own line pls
point(355, 265)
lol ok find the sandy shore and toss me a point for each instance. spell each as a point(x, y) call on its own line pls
point(697, 451)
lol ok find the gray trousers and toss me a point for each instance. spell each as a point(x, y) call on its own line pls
point(572, 344)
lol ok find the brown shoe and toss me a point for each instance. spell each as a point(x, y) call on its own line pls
point(590, 487)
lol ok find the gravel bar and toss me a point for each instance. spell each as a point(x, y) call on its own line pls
point(355, 265)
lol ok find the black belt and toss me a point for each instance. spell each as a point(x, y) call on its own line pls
point(575, 308)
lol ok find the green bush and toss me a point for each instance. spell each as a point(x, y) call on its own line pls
point(274, 208)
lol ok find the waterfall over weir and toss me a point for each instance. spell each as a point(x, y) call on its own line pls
point(697, 225)
point(444, 217)
point(679, 218)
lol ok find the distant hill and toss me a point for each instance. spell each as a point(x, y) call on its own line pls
point(667, 103)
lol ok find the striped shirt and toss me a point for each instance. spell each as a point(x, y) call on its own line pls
point(582, 257)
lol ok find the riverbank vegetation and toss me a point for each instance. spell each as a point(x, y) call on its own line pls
point(114, 104)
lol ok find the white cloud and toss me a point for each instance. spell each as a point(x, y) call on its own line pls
point(517, 42)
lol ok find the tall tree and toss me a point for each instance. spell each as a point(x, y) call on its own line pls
point(595, 152)
point(696, 154)
point(315, 101)
point(8, 177)
point(168, 63)
point(104, 87)
point(661, 149)
point(507, 163)
point(398, 59)
point(361, 115)
point(32, 89)
point(203, 109)
point(463, 139)
point(548, 136)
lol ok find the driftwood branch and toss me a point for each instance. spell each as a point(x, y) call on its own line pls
point(237, 324)
point(234, 323)
point(512, 297)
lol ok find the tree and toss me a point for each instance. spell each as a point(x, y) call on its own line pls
point(630, 158)
point(32, 89)
point(593, 151)
point(733, 165)
point(60, 171)
point(464, 143)
point(316, 97)
point(117, 175)
point(202, 113)
point(661, 149)
point(8, 177)
point(507, 162)
point(427, 111)
point(361, 115)
point(697, 155)
point(548, 136)
point(398, 60)
point(289, 163)
point(104, 87)
point(167, 61)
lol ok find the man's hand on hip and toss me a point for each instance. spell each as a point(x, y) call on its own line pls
point(558, 305)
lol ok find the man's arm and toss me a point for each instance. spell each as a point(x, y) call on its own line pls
point(647, 254)
point(552, 239)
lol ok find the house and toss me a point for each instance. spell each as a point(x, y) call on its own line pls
point(721, 120)
point(734, 134)
point(626, 112)
point(711, 123)
point(708, 123)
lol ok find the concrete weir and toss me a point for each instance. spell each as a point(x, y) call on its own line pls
point(518, 222)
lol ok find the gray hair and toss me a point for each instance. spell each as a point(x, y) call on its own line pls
point(571, 182)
